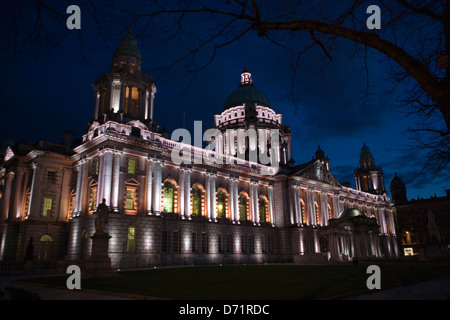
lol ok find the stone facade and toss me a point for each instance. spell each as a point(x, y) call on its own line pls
point(178, 204)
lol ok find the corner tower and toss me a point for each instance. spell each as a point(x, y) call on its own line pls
point(125, 94)
point(369, 177)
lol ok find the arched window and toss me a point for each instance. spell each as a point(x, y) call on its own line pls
point(316, 206)
point(169, 192)
point(330, 212)
point(243, 202)
point(196, 200)
point(302, 206)
point(221, 204)
point(262, 204)
point(45, 247)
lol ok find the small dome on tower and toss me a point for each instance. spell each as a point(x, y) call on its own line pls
point(247, 92)
point(128, 46)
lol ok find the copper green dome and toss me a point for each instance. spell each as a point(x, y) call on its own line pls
point(128, 46)
point(247, 92)
point(351, 213)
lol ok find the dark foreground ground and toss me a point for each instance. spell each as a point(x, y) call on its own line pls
point(256, 282)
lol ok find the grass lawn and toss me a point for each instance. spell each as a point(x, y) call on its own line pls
point(259, 282)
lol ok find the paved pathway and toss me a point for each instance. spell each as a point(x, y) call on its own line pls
point(435, 289)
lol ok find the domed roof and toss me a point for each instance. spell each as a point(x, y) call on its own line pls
point(366, 158)
point(246, 92)
point(128, 46)
point(351, 213)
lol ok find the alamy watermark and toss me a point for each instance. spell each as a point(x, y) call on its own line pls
point(74, 20)
point(234, 146)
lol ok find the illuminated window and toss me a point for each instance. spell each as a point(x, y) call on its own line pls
point(168, 197)
point(131, 240)
point(220, 204)
point(129, 200)
point(48, 203)
point(131, 166)
point(46, 238)
point(242, 207)
point(302, 205)
point(196, 201)
point(262, 203)
point(93, 199)
point(95, 167)
point(330, 212)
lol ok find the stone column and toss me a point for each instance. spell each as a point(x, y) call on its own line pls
point(213, 196)
point(324, 198)
point(116, 182)
point(64, 195)
point(310, 217)
point(156, 204)
point(298, 207)
point(236, 198)
point(181, 194)
point(291, 205)
point(271, 204)
point(7, 196)
point(18, 194)
point(252, 202)
point(187, 193)
point(231, 198)
point(107, 177)
point(148, 184)
point(33, 183)
point(208, 195)
point(256, 202)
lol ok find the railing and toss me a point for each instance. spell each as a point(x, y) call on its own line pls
point(37, 266)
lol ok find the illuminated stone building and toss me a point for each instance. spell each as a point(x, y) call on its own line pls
point(176, 203)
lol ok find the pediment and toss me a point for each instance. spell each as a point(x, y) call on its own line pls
point(317, 171)
point(132, 182)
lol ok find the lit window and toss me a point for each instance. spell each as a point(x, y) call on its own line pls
point(221, 204)
point(168, 197)
point(48, 202)
point(131, 243)
point(93, 199)
point(129, 201)
point(262, 209)
point(242, 207)
point(196, 201)
point(131, 166)
point(95, 168)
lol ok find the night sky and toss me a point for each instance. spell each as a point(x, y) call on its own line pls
point(47, 93)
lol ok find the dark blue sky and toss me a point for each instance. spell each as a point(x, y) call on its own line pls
point(46, 94)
